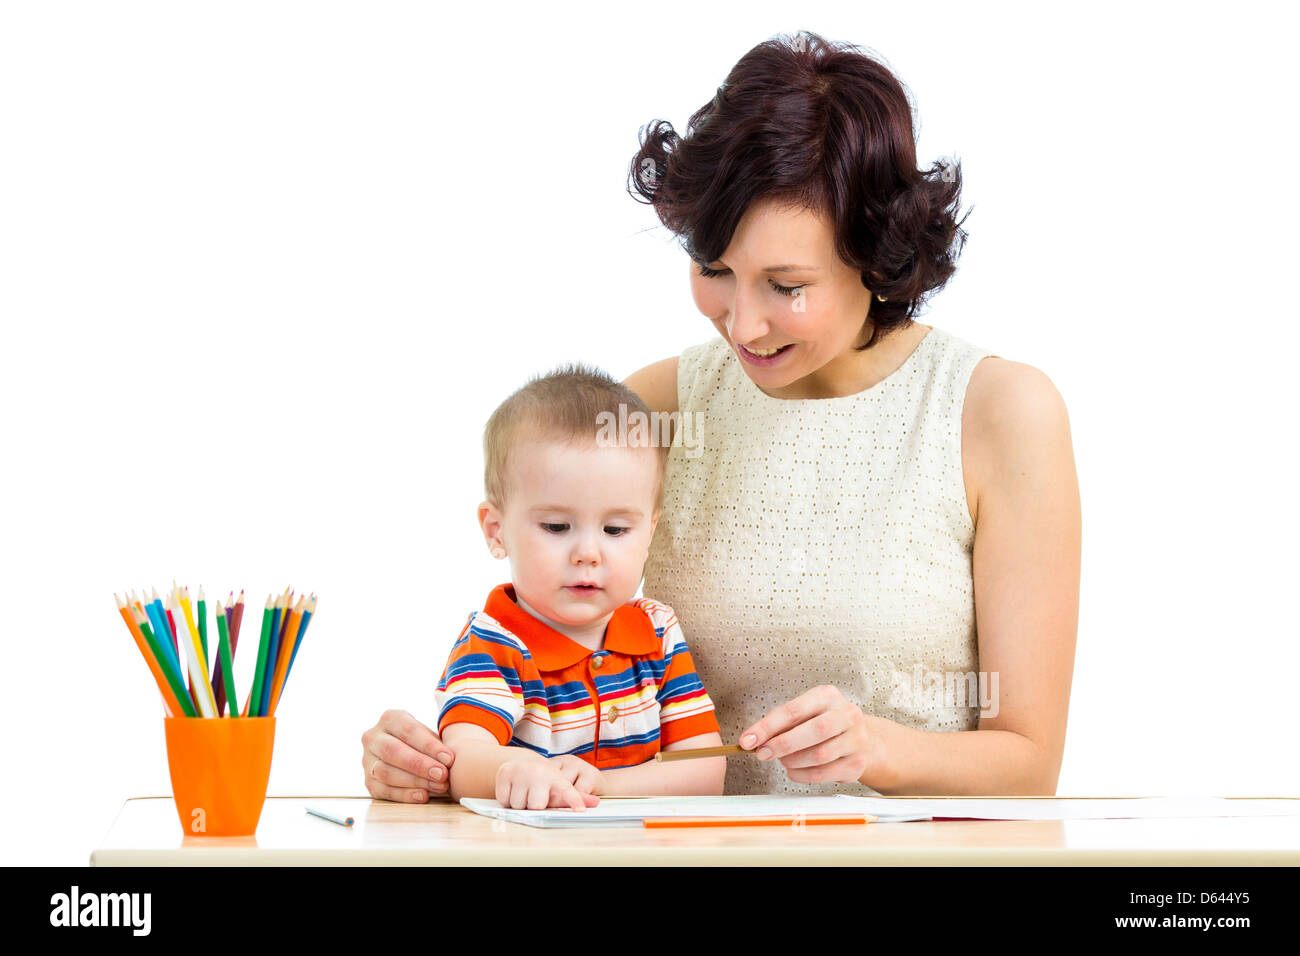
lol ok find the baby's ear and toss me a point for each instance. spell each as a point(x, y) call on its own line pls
point(489, 519)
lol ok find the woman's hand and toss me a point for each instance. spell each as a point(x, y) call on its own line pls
point(404, 760)
point(820, 737)
point(564, 781)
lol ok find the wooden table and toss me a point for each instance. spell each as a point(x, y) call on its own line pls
point(148, 832)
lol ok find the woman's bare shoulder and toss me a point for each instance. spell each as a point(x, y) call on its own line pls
point(657, 385)
point(1013, 415)
point(1005, 395)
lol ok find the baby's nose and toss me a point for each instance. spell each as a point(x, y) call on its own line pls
point(586, 553)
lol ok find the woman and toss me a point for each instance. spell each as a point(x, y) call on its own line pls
point(875, 557)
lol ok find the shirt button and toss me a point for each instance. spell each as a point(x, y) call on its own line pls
point(613, 713)
point(596, 662)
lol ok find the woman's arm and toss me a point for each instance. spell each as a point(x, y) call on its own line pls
point(657, 385)
point(678, 777)
point(1016, 434)
point(1020, 472)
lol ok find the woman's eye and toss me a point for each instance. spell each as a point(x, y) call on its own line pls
point(708, 273)
point(554, 528)
point(615, 530)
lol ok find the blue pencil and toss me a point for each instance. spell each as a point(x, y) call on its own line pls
point(158, 620)
point(264, 707)
point(302, 629)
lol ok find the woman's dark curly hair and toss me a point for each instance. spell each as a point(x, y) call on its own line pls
point(821, 125)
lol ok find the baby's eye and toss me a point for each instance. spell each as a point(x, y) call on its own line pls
point(614, 530)
point(554, 528)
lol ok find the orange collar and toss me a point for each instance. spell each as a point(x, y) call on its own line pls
point(629, 632)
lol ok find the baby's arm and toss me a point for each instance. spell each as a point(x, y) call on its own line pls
point(515, 776)
point(674, 778)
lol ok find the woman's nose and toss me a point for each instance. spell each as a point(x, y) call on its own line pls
point(746, 322)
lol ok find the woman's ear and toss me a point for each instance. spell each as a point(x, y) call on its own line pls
point(489, 519)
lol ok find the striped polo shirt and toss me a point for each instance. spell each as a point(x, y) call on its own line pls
point(530, 686)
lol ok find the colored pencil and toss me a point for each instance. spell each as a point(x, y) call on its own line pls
point(343, 822)
point(153, 608)
point(181, 599)
point(170, 704)
point(166, 631)
point(251, 707)
point(172, 674)
point(198, 681)
point(286, 653)
point(788, 821)
point(730, 750)
point(226, 661)
point(218, 678)
point(236, 618)
point(302, 629)
point(175, 631)
point(278, 612)
point(203, 623)
point(211, 666)
point(158, 623)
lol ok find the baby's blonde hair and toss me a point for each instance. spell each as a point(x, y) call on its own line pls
point(562, 405)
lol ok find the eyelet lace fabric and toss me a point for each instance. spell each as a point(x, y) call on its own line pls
point(822, 541)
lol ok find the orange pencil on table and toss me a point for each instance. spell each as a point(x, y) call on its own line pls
point(798, 820)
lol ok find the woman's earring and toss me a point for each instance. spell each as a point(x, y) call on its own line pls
point(498, 552)
point(881, 297)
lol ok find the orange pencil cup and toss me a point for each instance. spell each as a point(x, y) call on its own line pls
point(219, 768)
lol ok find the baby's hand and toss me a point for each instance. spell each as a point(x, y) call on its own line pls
point(564, 781)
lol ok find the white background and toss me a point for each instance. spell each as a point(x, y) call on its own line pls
point(265, 268)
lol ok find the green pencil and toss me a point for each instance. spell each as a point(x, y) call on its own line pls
point(223, 653)
point(165, 664)
point(255, 699)
point(203, 624)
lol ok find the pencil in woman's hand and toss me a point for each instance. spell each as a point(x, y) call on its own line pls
point(728, 751)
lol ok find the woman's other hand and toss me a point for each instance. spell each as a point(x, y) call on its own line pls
point(404, 760)
point(820, 737)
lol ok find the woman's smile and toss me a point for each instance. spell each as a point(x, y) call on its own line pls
point(763, 357)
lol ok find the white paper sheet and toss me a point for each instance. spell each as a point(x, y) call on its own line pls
point(1105, 808)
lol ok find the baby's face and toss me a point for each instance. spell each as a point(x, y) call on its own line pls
point(577, 527)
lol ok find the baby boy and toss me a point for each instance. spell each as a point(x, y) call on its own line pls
point(564, 687)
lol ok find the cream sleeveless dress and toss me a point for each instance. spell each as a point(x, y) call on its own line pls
point(821, 541)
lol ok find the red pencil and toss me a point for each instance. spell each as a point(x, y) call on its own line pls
point(234, 614)
point(235, 620)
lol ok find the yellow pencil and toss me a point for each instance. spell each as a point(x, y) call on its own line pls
point(205, 698)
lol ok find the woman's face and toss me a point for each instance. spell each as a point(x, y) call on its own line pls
point(782, 287)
